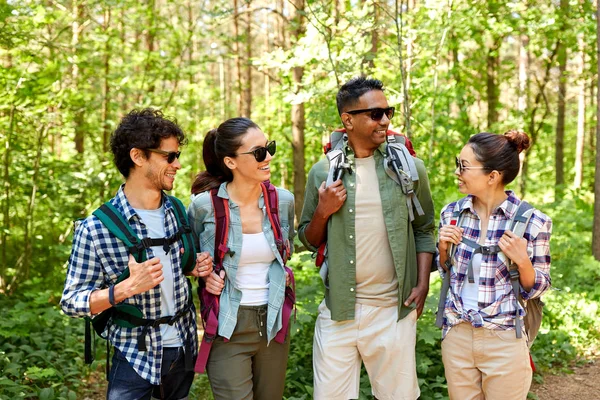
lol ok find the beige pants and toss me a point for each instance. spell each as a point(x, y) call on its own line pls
point(485, 364)
point(385, 345)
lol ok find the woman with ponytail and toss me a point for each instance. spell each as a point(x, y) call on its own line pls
point(483, 355)
point(244, 361)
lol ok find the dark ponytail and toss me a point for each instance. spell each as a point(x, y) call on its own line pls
point(218, 144)
point(500, 152)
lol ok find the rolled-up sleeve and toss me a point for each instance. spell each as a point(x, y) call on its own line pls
point(311, 200)
point(84, 274)
point(540, 257)
point(424, 225)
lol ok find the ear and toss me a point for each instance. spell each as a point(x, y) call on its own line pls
point(137, 156)
point(495, 178)
point(347, 121)
point(230, 163)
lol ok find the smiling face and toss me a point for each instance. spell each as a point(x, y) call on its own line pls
point(363, 132)
point(159, 173)
point(473, 179)
point(245, 166)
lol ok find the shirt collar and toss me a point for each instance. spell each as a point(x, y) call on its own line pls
point(508, 206)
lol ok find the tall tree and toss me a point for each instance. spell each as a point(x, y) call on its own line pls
point(559, 142)
point(596, 227)
point(298, 112)
point(579, 146)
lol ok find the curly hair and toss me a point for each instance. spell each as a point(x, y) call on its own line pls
point(141, 129)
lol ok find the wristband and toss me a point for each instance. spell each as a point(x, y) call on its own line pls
point(111, 296)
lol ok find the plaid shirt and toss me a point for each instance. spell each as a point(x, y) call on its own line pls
point(98, 258)
point(202, 219)
point(496, 297)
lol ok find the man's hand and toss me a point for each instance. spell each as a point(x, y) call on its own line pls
point(331, 198)
point(215, 283)
point(418, 295)
point(204, 265)
point(144, 276)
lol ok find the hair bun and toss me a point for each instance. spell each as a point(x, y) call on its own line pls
point(519, 139)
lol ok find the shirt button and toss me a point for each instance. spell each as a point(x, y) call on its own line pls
point(352, 289)
point(351, 237)
point(351, 210)
point(351, 261)
point(352, 185)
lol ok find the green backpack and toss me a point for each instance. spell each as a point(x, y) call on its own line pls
point(128, 315)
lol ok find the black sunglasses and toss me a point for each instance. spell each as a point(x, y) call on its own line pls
point(376, 113)
point(171, 155)
point(261, 153)
point(461, 168)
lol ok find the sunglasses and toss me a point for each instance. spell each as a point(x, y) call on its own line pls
point(376, 113)
point(171, 155)
point(261, 153)
point(459, 164)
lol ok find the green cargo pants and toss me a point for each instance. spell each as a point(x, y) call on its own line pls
point(245, 368)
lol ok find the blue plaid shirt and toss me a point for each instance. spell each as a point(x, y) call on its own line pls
point(98, 258)
point(496, 297)
point(202, 219)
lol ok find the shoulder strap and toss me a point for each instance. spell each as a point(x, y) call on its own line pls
point(221, 210)
point(185, 232)
point(114, 221)
point(272, 204)
point(518, 225)
point(455, 220)
point(400, 165)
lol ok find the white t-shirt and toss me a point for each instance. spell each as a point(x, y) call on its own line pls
point(155, 224)
point(470, 291)
point(253, 269)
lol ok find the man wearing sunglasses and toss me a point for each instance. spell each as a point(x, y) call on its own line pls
point(378, 259)
point(149, 361)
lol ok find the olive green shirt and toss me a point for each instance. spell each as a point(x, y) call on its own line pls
point(406, 238)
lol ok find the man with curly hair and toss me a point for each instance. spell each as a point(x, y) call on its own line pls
point(156, 359)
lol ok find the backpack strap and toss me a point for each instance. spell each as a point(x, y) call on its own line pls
point(185, 233)
point(518, 225)
point(400, 166)
point(209, 303)
point(114, 221)
point(455, 220)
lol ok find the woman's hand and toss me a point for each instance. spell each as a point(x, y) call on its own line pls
point(515, 248)
point(215, 283)
point(204, 265)
point(449, 234)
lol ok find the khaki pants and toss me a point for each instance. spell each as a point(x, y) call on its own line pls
point(245, 368)
point(486, 364)
point(385, 345)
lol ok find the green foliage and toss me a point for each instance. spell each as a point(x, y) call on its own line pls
point(41, 351)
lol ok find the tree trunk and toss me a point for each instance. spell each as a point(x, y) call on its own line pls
point(7, 194)
point(77, 15)
point(238, 57)
point(560, 114)
point(247, 88)
point(298, 116)
point(492, 61)
point(105, 86)
point(580, 117)
point(596, 228)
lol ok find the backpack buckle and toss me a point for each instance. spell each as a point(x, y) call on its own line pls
point(514, 274)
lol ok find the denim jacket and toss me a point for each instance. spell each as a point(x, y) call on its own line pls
point(202, 219)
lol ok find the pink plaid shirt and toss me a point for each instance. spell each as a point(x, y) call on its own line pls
point(496, 298)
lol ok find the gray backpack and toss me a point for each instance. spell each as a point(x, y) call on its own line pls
point(533, 307)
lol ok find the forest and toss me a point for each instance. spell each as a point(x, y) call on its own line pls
point(70, 69)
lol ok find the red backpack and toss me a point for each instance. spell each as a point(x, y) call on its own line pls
point(209, 303)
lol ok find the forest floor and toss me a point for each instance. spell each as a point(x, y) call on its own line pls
point(583, 383)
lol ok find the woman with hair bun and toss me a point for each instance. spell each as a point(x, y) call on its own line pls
point(244, 361)
point(483, 355)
